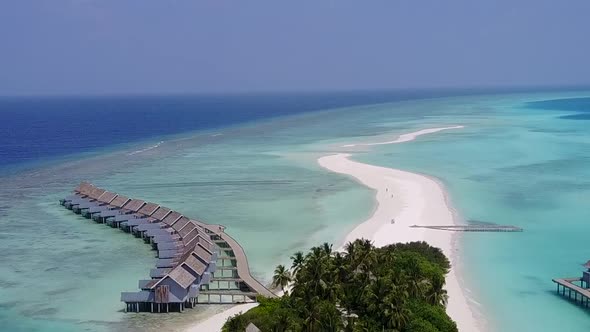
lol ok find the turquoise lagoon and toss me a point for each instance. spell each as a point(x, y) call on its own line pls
point(515, 163)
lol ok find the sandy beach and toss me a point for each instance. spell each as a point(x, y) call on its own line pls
point(403, 199)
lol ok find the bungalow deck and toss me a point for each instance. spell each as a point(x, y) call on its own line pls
point(577, 288)
point(197, 262)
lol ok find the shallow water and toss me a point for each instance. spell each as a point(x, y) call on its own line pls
point(512, 164)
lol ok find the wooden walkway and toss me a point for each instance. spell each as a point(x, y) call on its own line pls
point(579, 294)
point(227, 279)
point(472, 228)
point(240, 257)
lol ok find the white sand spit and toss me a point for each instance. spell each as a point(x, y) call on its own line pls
point(405, 137)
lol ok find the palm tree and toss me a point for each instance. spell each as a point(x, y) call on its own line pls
point(365, 245)
point(393, 307)
point(360, 254)
point(327, 249)
point(350, 249)
point(417, 284)
point(310, 314)
point(436, 294)
point(281, 278)
point(330, 317)
point(396, 316)
point(298, 260)
point(283, 321)
point(317, 268)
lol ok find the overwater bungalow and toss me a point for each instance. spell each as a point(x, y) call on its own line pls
point(155, 236)
point(164, 263)
point(160, 272)
point(92, 196)
point(170, 246)
point(127, 224)
point(576, 288)
point(171, 218)
point(160, 213)
point(101, 202)
point(81, 191)
point(126, 211)
point(183, 284)
point(105, 204)
point(115, 208)
point(133, 206)
point(148, 209)
point(187, 251)
point(139, 230)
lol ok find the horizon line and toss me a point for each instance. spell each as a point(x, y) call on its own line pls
point(499, 88)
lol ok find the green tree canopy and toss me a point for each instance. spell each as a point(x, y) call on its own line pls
point(398, 288)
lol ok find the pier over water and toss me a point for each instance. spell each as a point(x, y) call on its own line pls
point(472, 228)
point(197, 262)
point(576, 289)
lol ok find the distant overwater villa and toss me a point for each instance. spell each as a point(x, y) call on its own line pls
point(579, 287)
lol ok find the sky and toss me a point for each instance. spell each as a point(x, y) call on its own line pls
point(65, 47)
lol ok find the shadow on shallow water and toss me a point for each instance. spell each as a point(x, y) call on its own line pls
point(579, 105)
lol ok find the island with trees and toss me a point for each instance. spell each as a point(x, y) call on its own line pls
point(399, 287)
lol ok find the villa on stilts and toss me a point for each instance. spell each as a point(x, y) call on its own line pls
point(196, 262)
point(576, 289)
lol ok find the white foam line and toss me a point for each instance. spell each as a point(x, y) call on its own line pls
point(406, 137)
point(146, 149)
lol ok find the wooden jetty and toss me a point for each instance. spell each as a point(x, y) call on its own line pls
point(197, 262)
point(239, 257)
point(472, 228)
point(577, 289)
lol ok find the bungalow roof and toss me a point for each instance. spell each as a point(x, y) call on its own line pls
point(96, 192)
point(107, 197)
point(195, 264)
point(148, 209)
point(180, 223)
point(172, 218)
point(134, 205)
point(119, 201)
point(179, 275)
point(161, 213)
point(203, 254)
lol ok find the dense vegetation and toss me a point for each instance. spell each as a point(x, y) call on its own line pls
point(393, 288)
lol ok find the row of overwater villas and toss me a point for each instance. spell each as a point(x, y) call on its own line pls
point(186, 255)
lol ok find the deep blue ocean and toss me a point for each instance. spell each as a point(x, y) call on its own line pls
point(36, 129)
point(41, 128)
